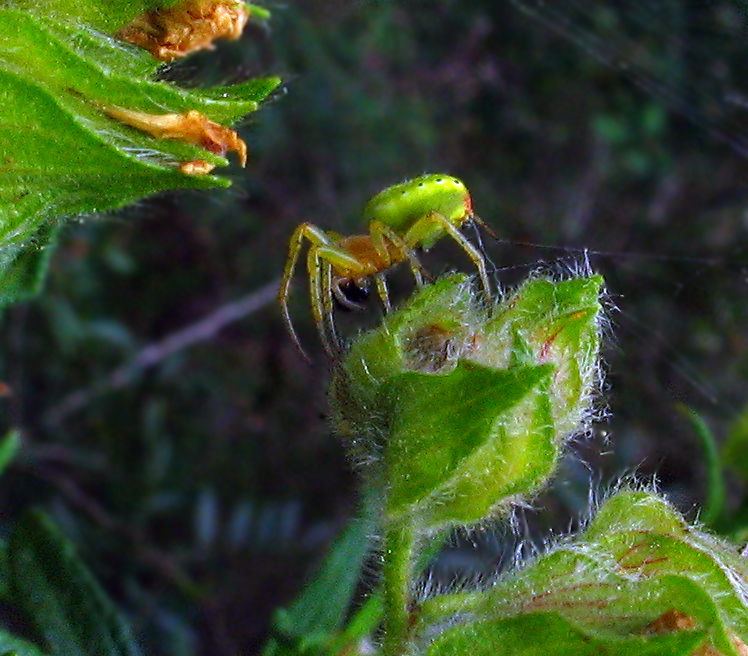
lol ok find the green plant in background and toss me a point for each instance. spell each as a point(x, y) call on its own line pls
point(734, 520)
point(43, 577)
point(727, 518)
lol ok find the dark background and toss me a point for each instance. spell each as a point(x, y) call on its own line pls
point(202, 490)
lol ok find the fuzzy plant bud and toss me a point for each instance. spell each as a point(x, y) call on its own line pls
point(458, 409)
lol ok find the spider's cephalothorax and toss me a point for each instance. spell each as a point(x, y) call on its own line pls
point(411, 215)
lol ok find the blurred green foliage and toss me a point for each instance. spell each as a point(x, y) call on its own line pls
point(203, 489)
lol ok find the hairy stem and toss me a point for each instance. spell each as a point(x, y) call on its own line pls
point(397, 574)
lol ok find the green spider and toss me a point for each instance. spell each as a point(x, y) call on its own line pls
point(402, 218)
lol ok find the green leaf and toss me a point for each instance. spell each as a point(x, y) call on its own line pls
point(25, 273)
point(656, 556)
point(647, 538)
point(638, 573)
point(361, 626)
point(456, 447)
point(602, 602)
point(60, 149)
point(315, 619)
point(60, 596)
point(553, 321)
point(632, 510)
point(89, 12)
point(539, 634)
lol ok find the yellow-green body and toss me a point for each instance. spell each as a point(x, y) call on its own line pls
point(403, 207)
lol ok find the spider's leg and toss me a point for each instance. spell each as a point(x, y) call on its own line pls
point(329, 260)
point(470, 250)
point(381, 233)
point(483, 226)
point(328, 288)
point(315, 236)
point(384, 294)
point(317, 271)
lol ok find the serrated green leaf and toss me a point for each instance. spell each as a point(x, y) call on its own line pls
point(58, 593)
point(57, 166)
point(60, 149)
point(91, 13)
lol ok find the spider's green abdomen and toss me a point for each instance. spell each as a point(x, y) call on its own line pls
point(402, 205)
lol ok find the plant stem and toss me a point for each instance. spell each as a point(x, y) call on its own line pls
point(713, 506)
point(397, 574)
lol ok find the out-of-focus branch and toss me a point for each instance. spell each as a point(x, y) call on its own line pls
point(151, 354)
